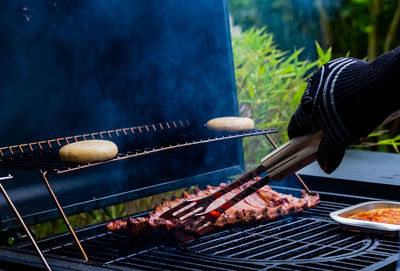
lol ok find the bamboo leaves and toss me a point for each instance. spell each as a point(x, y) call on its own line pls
point(270, 84)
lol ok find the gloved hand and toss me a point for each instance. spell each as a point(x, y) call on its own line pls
point(347, 98)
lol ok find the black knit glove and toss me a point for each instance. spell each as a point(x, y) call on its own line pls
point(347, 98)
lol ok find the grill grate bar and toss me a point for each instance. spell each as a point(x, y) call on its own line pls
point(314, 248)
point(72, 252)
point(348, 240)
point(299, 267)
point(309, 231)
point(320, 236)
point(381, 255)
point(47, 159)
point(296, 250)
point(104, 252)
point(356, 266)
point(98, 253)
point(263, 254)
point(213, 263)
point(394, 244)
point(358, 262)
point(386, 250)
point(103, 246)
point(335, 235)
point(92, 252)
point(348, 247)
point(184, 264)
point(162, 263)
point(229, 241)
point(283, 234)
point(248, 244)
point(119, 260)
point(322, 248)
point(122, 241)
point(190, 263)
point(330, 266)
point(322, 208)
point(270, 251)
point(280, 268)
point(56, 143)
point(321, 212)
point(372, 257)
point(213, 239)
point(138, 264)
point(334, 204)
point(285, 222)
point(117, 237)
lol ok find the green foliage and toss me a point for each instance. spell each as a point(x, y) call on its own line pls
point(77, 221)
point(380, 140)
point(394, 142)
point(324, 57)
point(366, 28)
point(270, 84)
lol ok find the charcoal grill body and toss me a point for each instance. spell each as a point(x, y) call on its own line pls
point(80, 67)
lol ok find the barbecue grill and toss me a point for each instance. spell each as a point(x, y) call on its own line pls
point(147, 75)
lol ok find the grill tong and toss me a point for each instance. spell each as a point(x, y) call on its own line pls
point(287, 159)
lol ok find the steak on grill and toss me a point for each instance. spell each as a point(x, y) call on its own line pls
point(265, 204)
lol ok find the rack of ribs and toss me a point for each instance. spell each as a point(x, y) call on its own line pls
point(264, 204)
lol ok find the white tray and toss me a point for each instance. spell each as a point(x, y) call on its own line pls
point(341, 216)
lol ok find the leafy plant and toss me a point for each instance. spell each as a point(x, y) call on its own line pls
point(77, 221)
point(324, 57)
point(381, 141)
point(270, 84)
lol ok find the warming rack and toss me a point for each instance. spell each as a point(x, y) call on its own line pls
point(43, 156)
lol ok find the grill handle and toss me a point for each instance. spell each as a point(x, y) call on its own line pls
point(299, 152)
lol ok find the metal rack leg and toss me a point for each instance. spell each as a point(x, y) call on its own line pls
point(297, 175)
point(14, 209)
point(70, 229)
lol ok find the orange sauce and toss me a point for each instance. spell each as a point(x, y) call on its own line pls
point(387, 215)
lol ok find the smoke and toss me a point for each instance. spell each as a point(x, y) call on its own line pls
point(79, 66)
point(72, 67)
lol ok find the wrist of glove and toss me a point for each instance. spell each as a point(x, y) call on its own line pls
point(347, 98)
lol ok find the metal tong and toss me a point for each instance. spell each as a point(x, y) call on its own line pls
point(287, 159)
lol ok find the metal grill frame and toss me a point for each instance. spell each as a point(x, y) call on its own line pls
point(125, 255)
point(43, 155)
point(36, 159)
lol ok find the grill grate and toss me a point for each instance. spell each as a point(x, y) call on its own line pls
point(306, 241)
point(44, 156)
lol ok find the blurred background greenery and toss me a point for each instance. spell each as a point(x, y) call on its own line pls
point(365, 28)
point(277, 45)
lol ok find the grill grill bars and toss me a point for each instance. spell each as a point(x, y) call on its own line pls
point(308, 241)
point(59, 142)
point(42, 156)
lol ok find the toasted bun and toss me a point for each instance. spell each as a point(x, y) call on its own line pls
point(230, 124)
point(88, 151)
